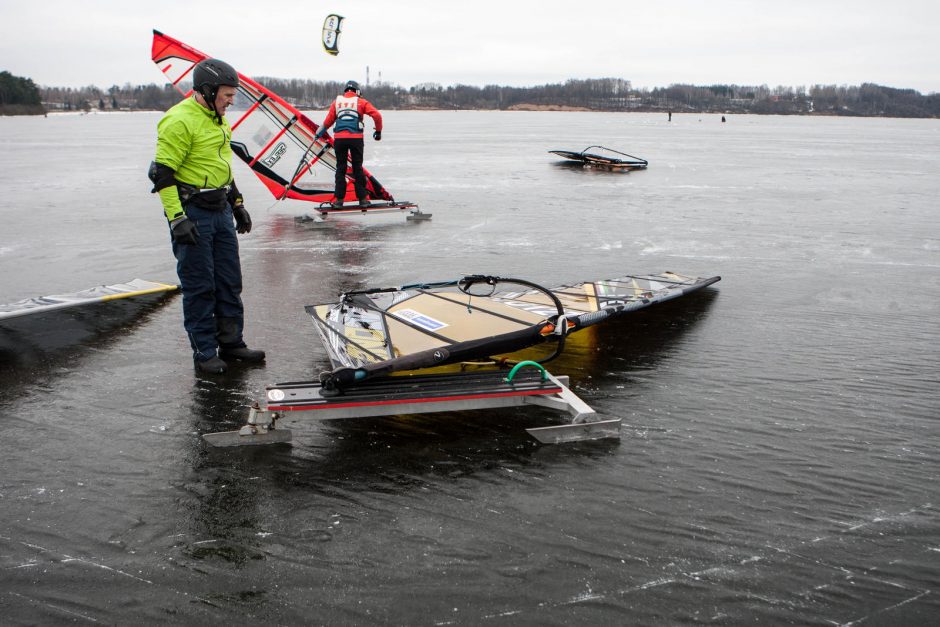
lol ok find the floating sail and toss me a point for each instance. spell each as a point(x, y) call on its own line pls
point(603, 161)
point(331, 31)
point(94, 295)
point(378, 332)
point(38, 326)
point(269, 134)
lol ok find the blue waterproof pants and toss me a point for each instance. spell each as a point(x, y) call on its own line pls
point(211, 280)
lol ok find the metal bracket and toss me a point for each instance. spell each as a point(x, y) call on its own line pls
point(259, 429)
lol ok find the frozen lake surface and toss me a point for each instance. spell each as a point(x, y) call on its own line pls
point(781, 442)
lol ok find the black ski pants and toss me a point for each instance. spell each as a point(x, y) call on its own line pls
point(349, 149)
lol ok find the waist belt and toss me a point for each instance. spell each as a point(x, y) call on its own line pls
point(209, 198)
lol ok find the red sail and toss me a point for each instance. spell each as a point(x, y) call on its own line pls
point(274, 138)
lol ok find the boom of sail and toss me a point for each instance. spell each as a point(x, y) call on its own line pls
point(275, 139)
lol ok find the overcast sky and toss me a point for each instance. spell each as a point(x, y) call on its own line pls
point(651, 43)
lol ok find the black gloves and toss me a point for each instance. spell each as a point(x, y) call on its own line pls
point(242, 219)
point(377, 136)
point(184, 231)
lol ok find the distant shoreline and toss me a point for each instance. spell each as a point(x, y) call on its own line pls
point(606, 94)
point(20, 109)
point(521, 108)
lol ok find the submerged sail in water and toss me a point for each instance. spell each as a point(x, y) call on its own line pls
point(605, 160)
point(95, 295)
point(379, 332)
point(36, 326)
point(269, 134)
point(331, 31)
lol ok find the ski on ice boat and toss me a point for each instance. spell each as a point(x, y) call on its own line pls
point(326, 211)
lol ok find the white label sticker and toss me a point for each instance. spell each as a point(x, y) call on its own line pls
point(419, 319)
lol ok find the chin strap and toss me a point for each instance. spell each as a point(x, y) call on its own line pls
point(209, 94)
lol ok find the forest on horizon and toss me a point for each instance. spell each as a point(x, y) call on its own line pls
point(21, 96)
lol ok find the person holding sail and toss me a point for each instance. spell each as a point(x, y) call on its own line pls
point(347, 112)
point(192, 173)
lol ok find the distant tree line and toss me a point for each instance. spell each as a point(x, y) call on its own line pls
point(597, 94)
point(614, 94)
point(127, 98)
point(19, 96)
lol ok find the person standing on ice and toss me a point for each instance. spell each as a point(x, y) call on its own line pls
point(347, 112)
point(192, 173)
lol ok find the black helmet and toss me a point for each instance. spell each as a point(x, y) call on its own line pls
point(209, 75)
point(213, 73)
point(352, 86)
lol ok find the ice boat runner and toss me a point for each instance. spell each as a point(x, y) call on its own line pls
point(603, 161)
point(277, 141)
point(375, 333)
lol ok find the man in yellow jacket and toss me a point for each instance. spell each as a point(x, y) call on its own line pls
point(192, 172)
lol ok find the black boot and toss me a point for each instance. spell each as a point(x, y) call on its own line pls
point(213, 365)
point(242, 353)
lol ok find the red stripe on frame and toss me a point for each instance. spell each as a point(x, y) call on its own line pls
point(247, 113)
point(462, 397)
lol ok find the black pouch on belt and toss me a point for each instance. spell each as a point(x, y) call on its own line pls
point(210, 199)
